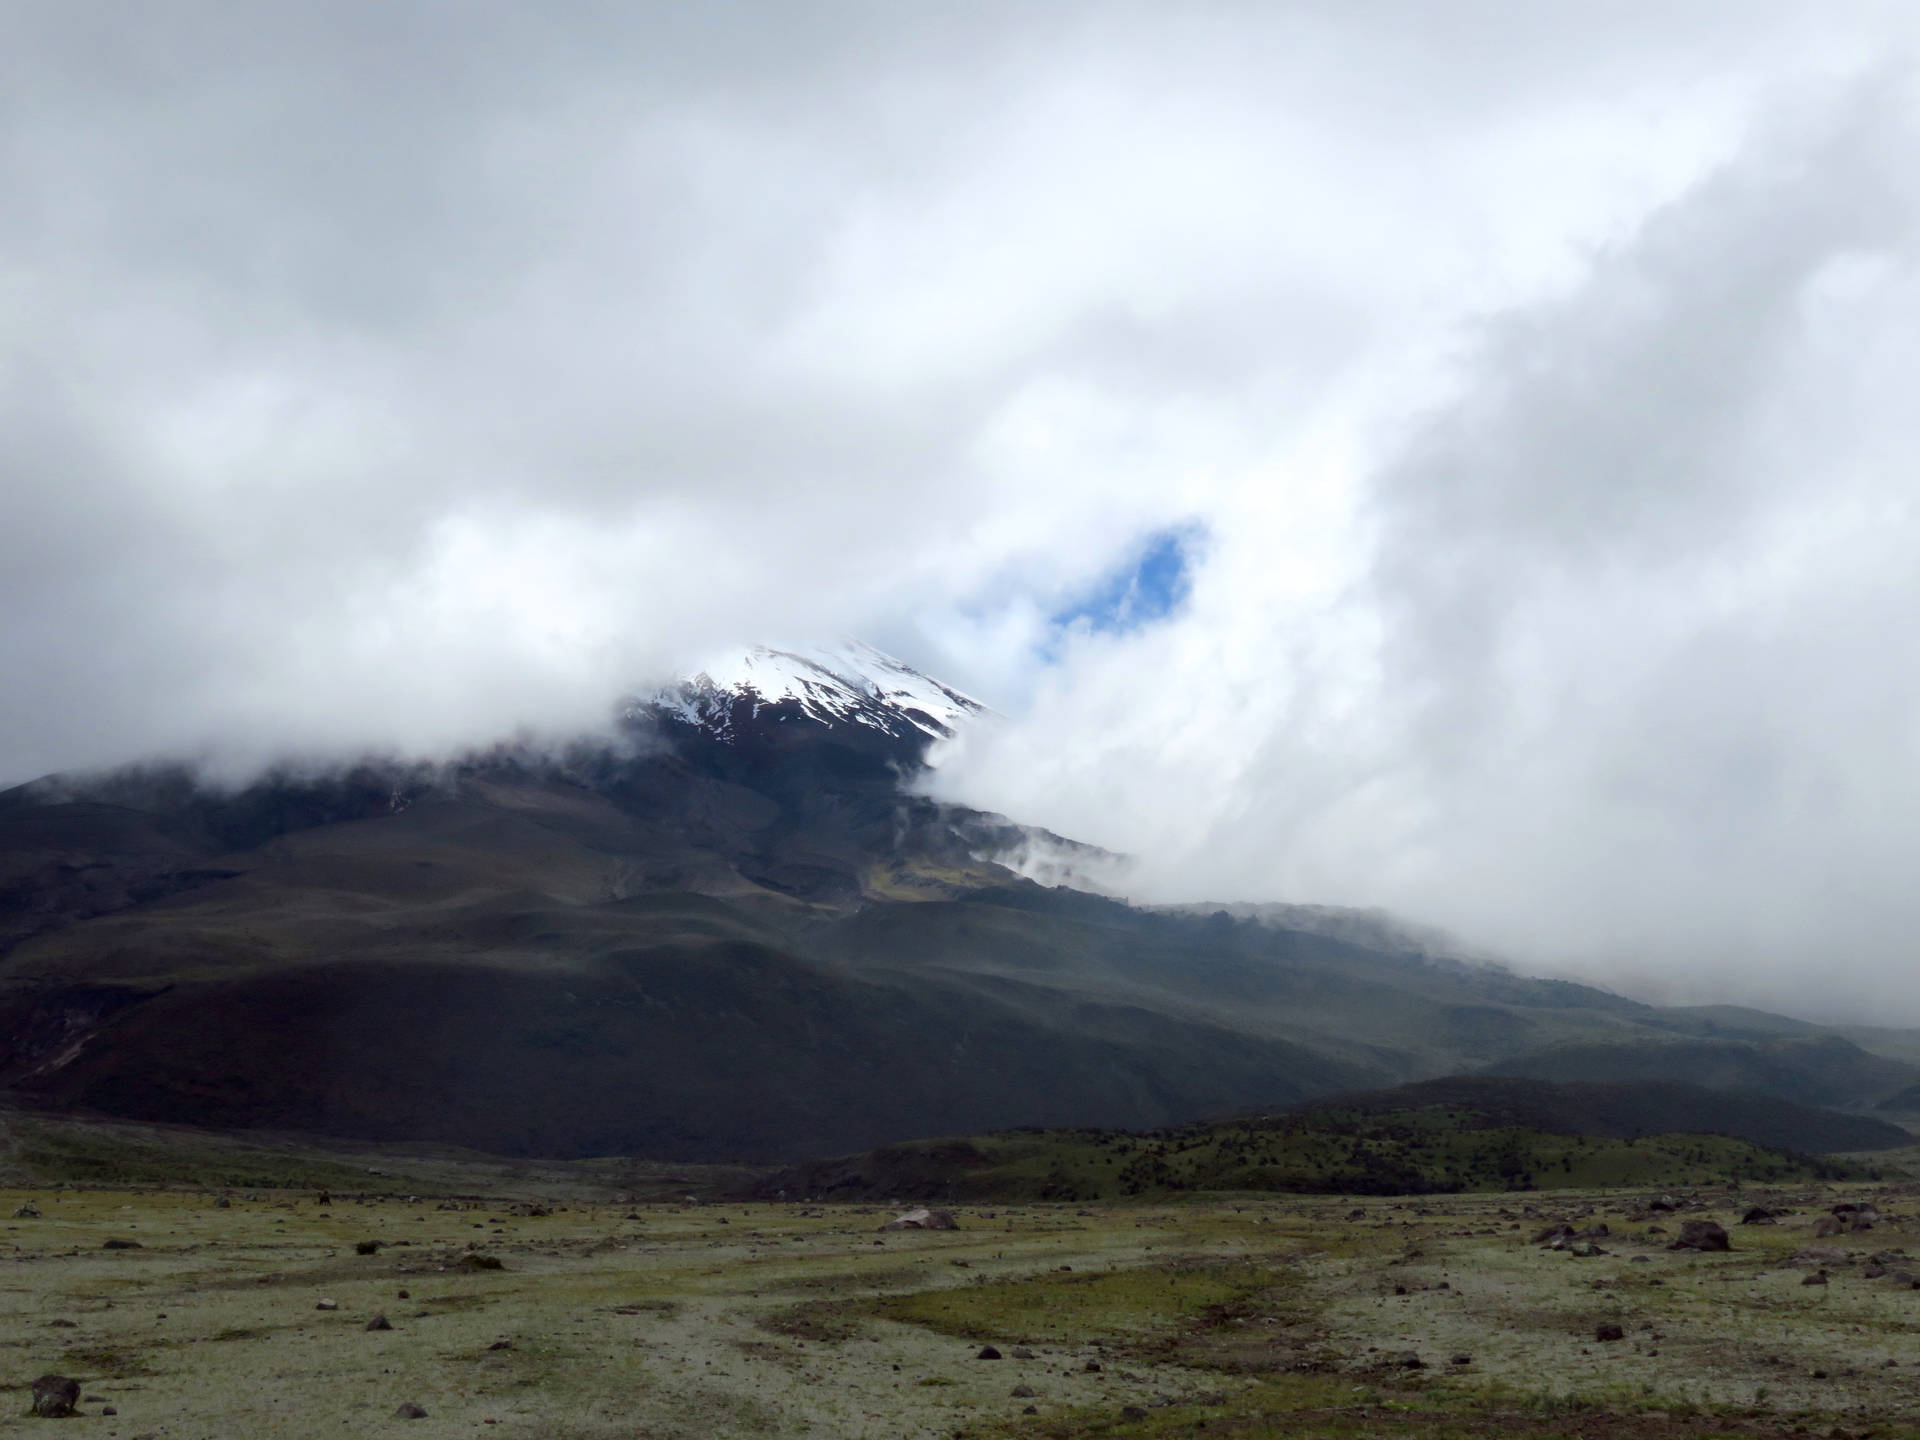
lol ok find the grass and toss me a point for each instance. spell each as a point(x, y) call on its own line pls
point(1066, 1306)
point(1247, 1316)
point(1427, 1150)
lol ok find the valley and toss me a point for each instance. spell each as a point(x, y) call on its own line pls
point(248, 1312)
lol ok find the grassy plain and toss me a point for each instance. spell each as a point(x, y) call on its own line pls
point(1242, 1315)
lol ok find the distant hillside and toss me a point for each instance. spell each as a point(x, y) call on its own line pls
point(1630, 1111)
point(1436, 1137)
point(1817, 1069)
point(1906, 1101)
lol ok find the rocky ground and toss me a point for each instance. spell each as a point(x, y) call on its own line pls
point(185, 1318)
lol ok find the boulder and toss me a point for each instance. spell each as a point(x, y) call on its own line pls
point(923, 1219)
point(1701, 1235)
point(54, 1396)
point(1609, 1332)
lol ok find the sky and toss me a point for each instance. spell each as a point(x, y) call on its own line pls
point(1459, 459)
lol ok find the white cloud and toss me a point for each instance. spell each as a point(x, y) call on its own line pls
point(1539, 377)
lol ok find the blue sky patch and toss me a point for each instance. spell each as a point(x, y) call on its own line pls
point(1149, 585)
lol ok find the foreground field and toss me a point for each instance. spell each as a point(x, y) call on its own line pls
point(1245, 1316)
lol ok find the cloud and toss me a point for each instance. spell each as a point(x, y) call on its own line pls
point(391, 377)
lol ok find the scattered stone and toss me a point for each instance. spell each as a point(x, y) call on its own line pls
point(108, 1410)
point(118, 1244)
point(1408, 1360)
point(64, 1324)
point(987, 1352)
point(1701, 1235)
point(379, 1322)
point(473, 1260)
point(1092, 1367)
point(1023, 1392)
point(1133, 1412)
point(1826, 1225)
point(409, 1411)
point(508, 1345)
point(1758, 1215)
point(327, 1305)
point(367, 1247)
point(28, 1211)
point(1462, 1360)
point(1819, 1277)
point(54, 1396)
point(1639, 1260)
point(1609, 1332)
point(403, 1294)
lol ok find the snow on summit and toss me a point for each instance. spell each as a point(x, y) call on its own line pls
point(849, 683)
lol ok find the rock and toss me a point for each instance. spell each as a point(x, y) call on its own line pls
point(28, 1211)
point(987, 1352)
point(1462, 1360)
point(1029, 1409)
point(366, 1247)
point(1023, 1392)
point(1757, 1215)
point(1826, 1225)
point(923, 1220)
point(403, 1294)
point(409, 1411)
point(1663, 1202)
point(223, 1203)
point(379, 1322)
point(1639, 1260)
point(473, 1260)
point(1701, 1235)
point(118, 1244)
point(501, 1345)
point(1819, 1277)
point(1588, 1252)
point(108, 1410)
point(1092, 1367)
point(1408, 1360)
point(54, 1396)
point(327, 1305)
point(1021, 1352)
point(1609, 1332)
point(1562, 1231)
point(1133, 1412)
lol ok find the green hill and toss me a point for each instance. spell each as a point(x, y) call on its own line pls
point(1439, 1137)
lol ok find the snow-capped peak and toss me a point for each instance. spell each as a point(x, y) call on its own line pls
point(849, 683)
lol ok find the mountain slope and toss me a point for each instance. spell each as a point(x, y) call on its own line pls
point(1814, 1069)
point(728, 933)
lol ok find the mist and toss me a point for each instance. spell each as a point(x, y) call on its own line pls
point(1462, 468)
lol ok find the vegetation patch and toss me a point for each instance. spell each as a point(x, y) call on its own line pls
point(1066, 1305)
